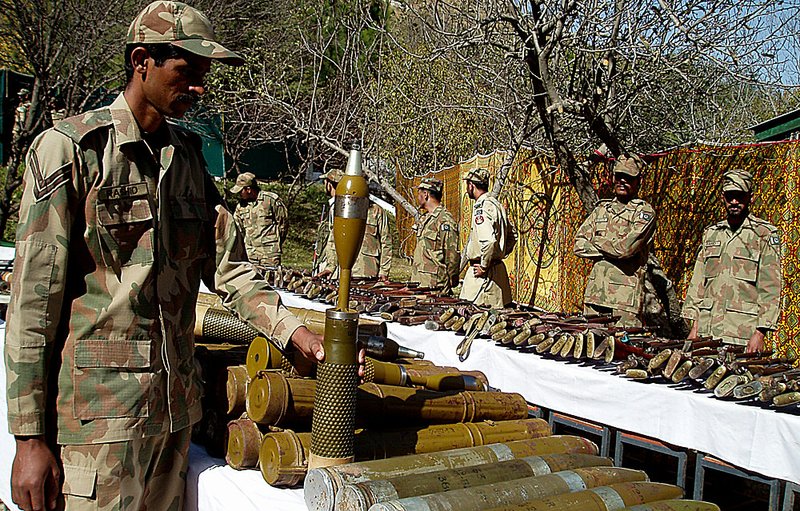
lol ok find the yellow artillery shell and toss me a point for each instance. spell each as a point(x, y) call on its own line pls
point(589, 343)
point(637, 374)
point(577, 350)
point(448, 325)
point(497, 327)
point(509, 336)
point(682, 371)
point(659, 360)
point(771, 390)
point(725, 388)
point(322, 484)
point(536, 339)
point(236, 389)
point(499, 334)
point(566, 350)
point(545, 344)
point(674, 505)
point(598, 498)
point(459, 323)
point(787, 399)
point(702, 368)
point(609, 355)
point(521, 338)
point(360, 496)
point(446, 315)
point(716, 377)
point(244, 443)
point(600, 349)
point(556, 347)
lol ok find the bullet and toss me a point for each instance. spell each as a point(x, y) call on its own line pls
point(360, 496)
point(322, 484)
point(557, 488)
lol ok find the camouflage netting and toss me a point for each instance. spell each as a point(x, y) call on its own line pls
point(682, 185)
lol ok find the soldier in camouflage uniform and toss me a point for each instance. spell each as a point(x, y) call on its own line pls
point(263, 218)
point(119, 222)
point(491, 239)
point(735, 290)
point(436, 257)
point(617, 236)
point(21, 113)
point(375, 258)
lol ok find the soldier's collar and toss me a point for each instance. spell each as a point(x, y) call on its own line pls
point(126, 127)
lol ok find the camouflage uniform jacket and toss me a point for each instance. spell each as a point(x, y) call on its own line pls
point(436, 255)
point(20, 117)
point(736, 284)
point(617, 238)
point(112, 243)
point(375, 258)
point(265, 223)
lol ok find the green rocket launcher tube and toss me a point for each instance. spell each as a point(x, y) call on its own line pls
point(334, 415)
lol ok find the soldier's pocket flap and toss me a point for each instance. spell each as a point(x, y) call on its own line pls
point(705, 304)
point(123, 211)
point(79, 481)
point(117, 353)
point(751, 309)
point(745, 266)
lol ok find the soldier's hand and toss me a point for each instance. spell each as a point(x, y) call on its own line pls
point(309, 344)
point(35, 476)
point(478, 270)
point(756, 342)
point(362, 359)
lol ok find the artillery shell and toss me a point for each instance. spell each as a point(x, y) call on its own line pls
point(521, 338)
point(258, 356)
point(674, 505)
point(716, 377)
point(536, 339)
point(446, 315)
point(787, 399)
point(600, 349)
point(509, 336)
point(497, 327)
point(682, 371)
point(590, 338)
point(448, 325)
point(556, 347)
point(725, 388)
point(637, 374)
point(577, 350)
point(659, 360)
point(702, 368)
point(771, 390)
point(545, 344)
point(609, 355)
point(748, 389)
point(566, 350)
point(459, 323)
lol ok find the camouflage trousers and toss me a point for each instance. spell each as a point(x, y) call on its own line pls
point(626, 319)
point(142, 474)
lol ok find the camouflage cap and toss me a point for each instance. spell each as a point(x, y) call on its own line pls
point(182, 26)
point(333, 175)
point(738, 180)
point(631, 166)
point(432, 184)
point(242, 180)
point(479, 175)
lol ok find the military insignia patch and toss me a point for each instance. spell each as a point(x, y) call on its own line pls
point(774, 240)
point(45, 186)
point(645, 216)
point(479, 219)
point(445, 227)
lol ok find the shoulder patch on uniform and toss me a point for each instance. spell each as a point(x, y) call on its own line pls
point(78, 126)
point(644, 215)
point(445, 227)
point(479, 219)
point(774, 240)
point(44, 186)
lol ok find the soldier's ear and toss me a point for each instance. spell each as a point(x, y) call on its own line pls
point(140, 60)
